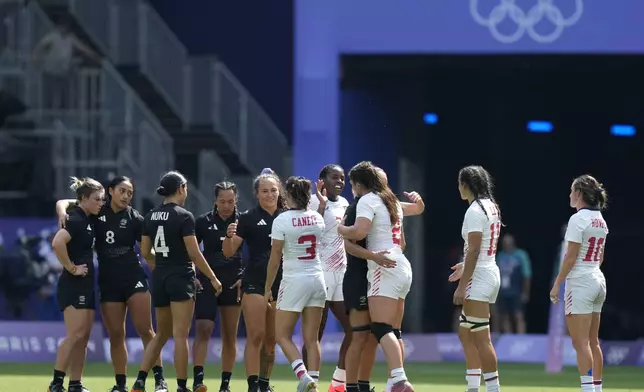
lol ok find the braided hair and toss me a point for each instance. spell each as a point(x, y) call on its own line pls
point(480, 183)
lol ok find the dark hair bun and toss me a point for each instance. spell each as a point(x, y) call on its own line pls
point(162, 191)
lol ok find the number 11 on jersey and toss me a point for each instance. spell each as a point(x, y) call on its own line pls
point(159, 243)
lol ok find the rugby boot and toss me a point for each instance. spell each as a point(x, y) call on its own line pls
point(402, 386)
point(161, 386)
point(307, 384)
point(116, 388)
point(338, 388)
point(56, 388)
point(199, 388)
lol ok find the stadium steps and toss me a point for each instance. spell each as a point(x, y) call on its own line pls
point(188, 143)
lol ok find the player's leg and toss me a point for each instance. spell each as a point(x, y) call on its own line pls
point(75, 318)
point(338, 309)
point(598, 355)
point(325, 316)
point(205, 315)
point(113, 314)
point(139, 304)
point(354, 360)
point(182, 312)
point(254, 309)
point(161, 302)
point(397, 331)
point(475, 331)
point(79, 354)
point(311, 317)
point(579, 298)
point(368, 359)
point(229, 323)
point(519, 315)
point(267, 353)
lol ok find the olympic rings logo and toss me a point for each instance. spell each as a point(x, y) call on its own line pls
point(526, 21)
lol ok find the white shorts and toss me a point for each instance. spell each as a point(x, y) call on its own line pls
point(333, 281)
point(297, 293)
point(484, 286)
point(585, 295)
point(390, 282)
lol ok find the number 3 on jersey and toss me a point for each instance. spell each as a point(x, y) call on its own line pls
point(159, 243)
point(310, 251)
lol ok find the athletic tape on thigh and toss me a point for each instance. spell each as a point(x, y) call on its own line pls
point(475, 324)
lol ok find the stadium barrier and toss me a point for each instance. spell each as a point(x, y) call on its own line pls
point(37, 342)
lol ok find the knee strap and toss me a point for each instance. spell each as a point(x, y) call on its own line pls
point(380, 329)
point(474, 324)
point(397, 332)
point(361, 328)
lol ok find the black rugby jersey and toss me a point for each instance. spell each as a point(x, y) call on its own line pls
point(166, 225)
point(211, 231)
point(255, 226)
point(355, 264)
point(80, 248)
point(116, 236)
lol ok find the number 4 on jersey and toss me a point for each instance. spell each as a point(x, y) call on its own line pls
point(159, 243)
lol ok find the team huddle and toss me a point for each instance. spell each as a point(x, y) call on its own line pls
point(309, 251)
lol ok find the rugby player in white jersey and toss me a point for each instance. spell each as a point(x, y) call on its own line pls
point(296, 236)
point(480, 281)
point(328, 203)
point(379, 219)
point(585, 283)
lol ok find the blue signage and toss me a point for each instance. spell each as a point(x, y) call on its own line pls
point(326, 29)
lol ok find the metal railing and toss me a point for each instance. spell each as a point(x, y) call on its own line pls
point(110, 130)
point(201, 90)
point(243, 122)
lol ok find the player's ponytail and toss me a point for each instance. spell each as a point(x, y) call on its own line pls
point(480, 183)
point(366, 174)
point(84, 187)
point(299, 190)
point(592, 191)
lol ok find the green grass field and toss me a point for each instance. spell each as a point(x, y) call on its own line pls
point(430, 377)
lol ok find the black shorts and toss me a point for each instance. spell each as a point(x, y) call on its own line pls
point(256, 285)
point(172, 286)
point(354, 290)
point(207, 300)
point(120, 289)
point(77, 292)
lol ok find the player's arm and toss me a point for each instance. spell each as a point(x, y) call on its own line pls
point(417, 206)
point(234, 237)
point(197, 257)
point(273, 264)
point(365, 212)
point(149, 258)
point(358, 251)
point(403, 242)
point(573, 238)
point(59, 245)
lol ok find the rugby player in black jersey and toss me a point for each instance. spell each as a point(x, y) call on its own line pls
point(73, 247)
point(254, 228)
point(122, 281)
point(211, 231)
point(170, 230)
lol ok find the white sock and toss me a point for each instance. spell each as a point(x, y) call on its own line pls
point(315, 375)
point(398, 375)
point(390, 383)
point(492, 381)
point(587, 384)
point(598, 385)
point(473, 378)
point(298, 368)
point(339, 377)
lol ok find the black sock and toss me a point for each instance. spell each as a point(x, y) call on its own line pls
point(198, 375)
point(158, 373)
point(263, 384)
point(364, 386)
point(59, 377)
point(225, 380)
point(140, 379)
point(74, 384)
point(182, 383)
point(120, 380)
point(252, 382)
point(352, 388)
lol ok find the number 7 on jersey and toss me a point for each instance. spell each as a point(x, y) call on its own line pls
point(159, 243)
